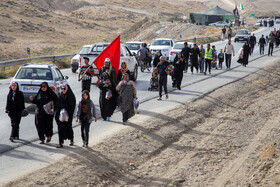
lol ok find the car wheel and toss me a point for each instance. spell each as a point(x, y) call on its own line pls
point(135, 73)
point(74, 70)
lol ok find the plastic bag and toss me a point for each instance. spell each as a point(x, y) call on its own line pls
point(108, 94)
point(136, 103)
point(63, 116)
point(49, 109)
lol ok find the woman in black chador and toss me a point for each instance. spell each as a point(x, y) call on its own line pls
point(14, 108)
point(66, 101)
point(106, 99)
point(246, 53)
point(45, 101)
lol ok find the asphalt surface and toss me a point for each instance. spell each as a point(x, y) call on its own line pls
point(14, 156)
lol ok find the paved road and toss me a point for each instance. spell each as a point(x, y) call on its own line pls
point(27, 128)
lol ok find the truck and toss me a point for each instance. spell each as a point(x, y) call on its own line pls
point(125, 56)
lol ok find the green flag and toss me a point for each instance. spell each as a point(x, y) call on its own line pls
point(241, 7)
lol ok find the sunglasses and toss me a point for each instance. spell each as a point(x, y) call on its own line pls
point(43, 86)
point(63, 88)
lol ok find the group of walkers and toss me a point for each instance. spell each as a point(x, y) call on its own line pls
point(114, 91)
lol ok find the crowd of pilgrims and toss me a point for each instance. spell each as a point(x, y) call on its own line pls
point(117, 89)
point(114, 91)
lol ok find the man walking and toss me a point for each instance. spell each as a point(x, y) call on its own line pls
point(162, 76)
point(208, 58)
point(86, 80)
point(262, 44)
point(271, 42)
point(252, 42)
point(186, 54)
point(201, 59)
point(194, 53)
point(229, 33)
point(229, 51)
point(224, 30)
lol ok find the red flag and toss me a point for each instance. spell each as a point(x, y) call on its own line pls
point(113, 51)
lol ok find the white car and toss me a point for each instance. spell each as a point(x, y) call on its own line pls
point(177, 48)
point(75, 59)
point(220, 24)
point(126, 56)
point(163, 44)
point(277, 21)
point(30, 76)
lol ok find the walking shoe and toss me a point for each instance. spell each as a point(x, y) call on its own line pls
point(42, 142)
point(86, 146)
point(11, 139)
point(16, 138)
point(125, 122)
point(71, 143)
point(59, 146)
point(166, 96)
point(159, 99)
point(49, 139)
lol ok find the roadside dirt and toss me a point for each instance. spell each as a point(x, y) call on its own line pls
point(230, 137)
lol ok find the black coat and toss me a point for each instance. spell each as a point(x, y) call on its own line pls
point(195, 54)
point(156, 60)
point(180, 65)
point(112, 75)
point(186, 52)
point(15, 107)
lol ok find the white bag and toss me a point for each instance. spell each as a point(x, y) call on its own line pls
point(108, 94)
point(63, 116)
point(136, 103)
point(49, 109)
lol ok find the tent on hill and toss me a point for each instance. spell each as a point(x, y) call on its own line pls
point(210, 16)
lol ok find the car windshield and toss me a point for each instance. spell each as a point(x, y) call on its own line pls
point(34, 73)
point(84, 50)
point(98, 48)
point(161, 42)
point(133, 46)
point(242, 32)
point(179, 46)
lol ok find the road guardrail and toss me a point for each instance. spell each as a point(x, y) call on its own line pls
point(53, 58)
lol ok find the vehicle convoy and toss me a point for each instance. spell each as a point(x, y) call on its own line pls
point(242, 35)
point(163, 44)
point(75, 59)
point(126, 56)
point(30, 76)
point(178, 48)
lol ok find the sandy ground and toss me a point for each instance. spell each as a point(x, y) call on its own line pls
point(230, 137)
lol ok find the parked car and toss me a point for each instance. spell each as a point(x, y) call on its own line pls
point(163, 44)
point(75, 59)
point(277, 21)
point(220, 24)
point(30, 76)
point(125, 56)
point(177, 48)
point(259, 23)
point(242, 35)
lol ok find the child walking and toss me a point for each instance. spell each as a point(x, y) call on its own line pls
point(221, 58)
point(85, 114)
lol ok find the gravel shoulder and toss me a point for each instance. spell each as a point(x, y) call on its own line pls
point(230, 137)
